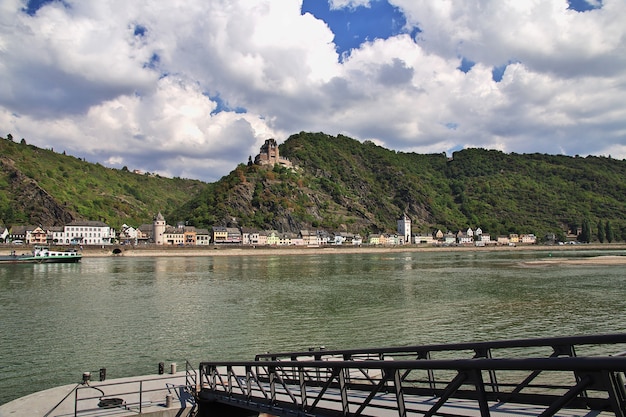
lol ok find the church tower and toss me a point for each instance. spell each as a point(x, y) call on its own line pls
point(158, 229)
point(404, 228)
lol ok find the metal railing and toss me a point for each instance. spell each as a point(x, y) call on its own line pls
point(537, 347)
point(131, 396)
point(407, 381)
point(191, 378)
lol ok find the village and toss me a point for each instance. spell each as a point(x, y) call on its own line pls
point(159, 233)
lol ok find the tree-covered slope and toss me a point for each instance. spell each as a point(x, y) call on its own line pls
point(338, 184)
point(537, 193)
point(39, 186)
point(342, 184)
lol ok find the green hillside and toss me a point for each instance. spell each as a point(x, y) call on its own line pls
point(342, 184)
point(39, 186)
point(338, 184)
point(538, 192)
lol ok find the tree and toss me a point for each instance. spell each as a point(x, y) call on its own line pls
point(608, 231)
point(560, 236)
point(8, 215)
point(10, 137)
point(600, 231)
point(585, 234)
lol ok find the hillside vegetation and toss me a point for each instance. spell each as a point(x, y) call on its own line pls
point(342, 184)
point(41, 187)
point(337, 184)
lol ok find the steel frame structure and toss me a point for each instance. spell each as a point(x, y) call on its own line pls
point(469, 379)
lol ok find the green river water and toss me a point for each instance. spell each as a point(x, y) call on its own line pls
point(129, 314)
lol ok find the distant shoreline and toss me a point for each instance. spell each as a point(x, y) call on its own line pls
point(591, 260)
point(164, 251)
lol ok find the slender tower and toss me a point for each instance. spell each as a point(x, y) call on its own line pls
point(404, 228)
point(158, 229)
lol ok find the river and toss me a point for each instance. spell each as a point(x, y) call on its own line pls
point(129, 314)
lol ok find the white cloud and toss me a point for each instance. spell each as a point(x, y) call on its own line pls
point(543, 35)
point(128, 83)
point(341, 4)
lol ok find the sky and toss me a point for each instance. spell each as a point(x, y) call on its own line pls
point(192, 88)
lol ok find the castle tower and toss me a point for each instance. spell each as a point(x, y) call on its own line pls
point(158, 229)
point(270, 148)
point(270, 155)
point(404, 228)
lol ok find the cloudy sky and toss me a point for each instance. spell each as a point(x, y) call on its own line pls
point(192, 88)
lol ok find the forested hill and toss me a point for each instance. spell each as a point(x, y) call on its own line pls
point(345, 185)
point(338, 184)
point(42, 187)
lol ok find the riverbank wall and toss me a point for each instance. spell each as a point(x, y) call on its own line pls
point(230, 250)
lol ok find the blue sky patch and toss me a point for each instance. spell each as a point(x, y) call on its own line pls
point(356, 25)
point(222, 105)
point(498, 72)
point(140, 31)
point(155, 59)
point(33, 5)
point(584, 5)
point(466, 65)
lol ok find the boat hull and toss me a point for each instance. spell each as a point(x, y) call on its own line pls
point(38, 260)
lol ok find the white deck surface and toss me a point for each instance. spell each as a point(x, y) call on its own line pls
point(60, 401)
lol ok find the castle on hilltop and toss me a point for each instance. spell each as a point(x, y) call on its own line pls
point(269, 155)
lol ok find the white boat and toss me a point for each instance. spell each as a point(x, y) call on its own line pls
point(43, 254)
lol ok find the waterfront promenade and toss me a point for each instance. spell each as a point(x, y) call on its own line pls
point(552, 251)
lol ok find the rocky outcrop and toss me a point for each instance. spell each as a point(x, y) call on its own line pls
point(29, 197)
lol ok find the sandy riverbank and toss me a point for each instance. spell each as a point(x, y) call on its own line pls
point(591, 260)
point(147, 251)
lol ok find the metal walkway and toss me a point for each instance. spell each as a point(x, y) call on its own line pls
point(565, 376)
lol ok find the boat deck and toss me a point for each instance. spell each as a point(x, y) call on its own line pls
point(157, 395)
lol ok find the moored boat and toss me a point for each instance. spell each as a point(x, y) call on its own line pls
point(42, 254)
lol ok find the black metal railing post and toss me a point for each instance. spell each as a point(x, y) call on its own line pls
point(397, 383)
point(272, 379)
point(617, 392)
point(140, 396)
point(343, 390)
point(303, 388)
point(248, 382)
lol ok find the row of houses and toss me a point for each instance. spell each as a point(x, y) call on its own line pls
point(160, 233)
point(474, 237)
point(84, 232)
point(95, 233)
